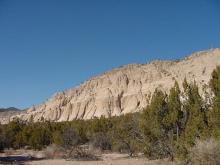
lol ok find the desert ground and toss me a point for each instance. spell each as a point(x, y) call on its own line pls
point(104, 162)
point(105, 159)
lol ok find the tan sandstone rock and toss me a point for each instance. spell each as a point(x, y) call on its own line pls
point(124, 90)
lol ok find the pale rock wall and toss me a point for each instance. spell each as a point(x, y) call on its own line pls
point(124, 90)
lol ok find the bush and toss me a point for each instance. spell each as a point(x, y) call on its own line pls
point(54, 151)
point(205, 153)
point(1, 141)
point(1, 146)
point(101, 141)
point(81, 154)
point(40, 138)
point(70, 138)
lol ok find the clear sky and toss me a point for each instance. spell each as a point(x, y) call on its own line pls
point(48, 45)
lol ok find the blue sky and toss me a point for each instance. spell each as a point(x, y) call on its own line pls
point(48, 45)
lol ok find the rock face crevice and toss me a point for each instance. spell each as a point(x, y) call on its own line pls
point(124, 90)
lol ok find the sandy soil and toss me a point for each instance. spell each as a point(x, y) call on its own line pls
point(106, 159)
point(104, 162)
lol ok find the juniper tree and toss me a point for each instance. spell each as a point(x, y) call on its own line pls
point(154, 129)
point(1, 139)
point(194, 114)
point(214, 114)
point(40, 137)
point(173, 117)
point(98, 132)
point(125, 132)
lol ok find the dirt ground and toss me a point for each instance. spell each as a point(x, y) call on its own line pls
point(106, 159)
point(103, 162)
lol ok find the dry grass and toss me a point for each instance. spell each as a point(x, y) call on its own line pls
point(81, 154)
point(205, 153)
point(54, 152)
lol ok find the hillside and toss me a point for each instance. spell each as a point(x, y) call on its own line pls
point(126, 89)
point(6, 113)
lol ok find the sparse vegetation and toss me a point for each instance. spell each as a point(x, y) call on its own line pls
point(167, 128)
point(205, 153)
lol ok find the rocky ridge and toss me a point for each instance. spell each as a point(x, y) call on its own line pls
point(124, 90)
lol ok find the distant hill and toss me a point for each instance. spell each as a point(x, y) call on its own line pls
point(9, 109)
point(6, 113)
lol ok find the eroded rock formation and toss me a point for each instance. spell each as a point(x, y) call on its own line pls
point(124, 90)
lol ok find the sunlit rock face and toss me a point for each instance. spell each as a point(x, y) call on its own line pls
point(123, 90)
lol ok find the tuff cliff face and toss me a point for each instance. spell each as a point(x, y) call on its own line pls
point(124, 90)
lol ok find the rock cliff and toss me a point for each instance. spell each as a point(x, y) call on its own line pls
point(124, 90)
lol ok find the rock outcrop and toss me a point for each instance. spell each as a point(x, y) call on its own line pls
point(124, 90)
